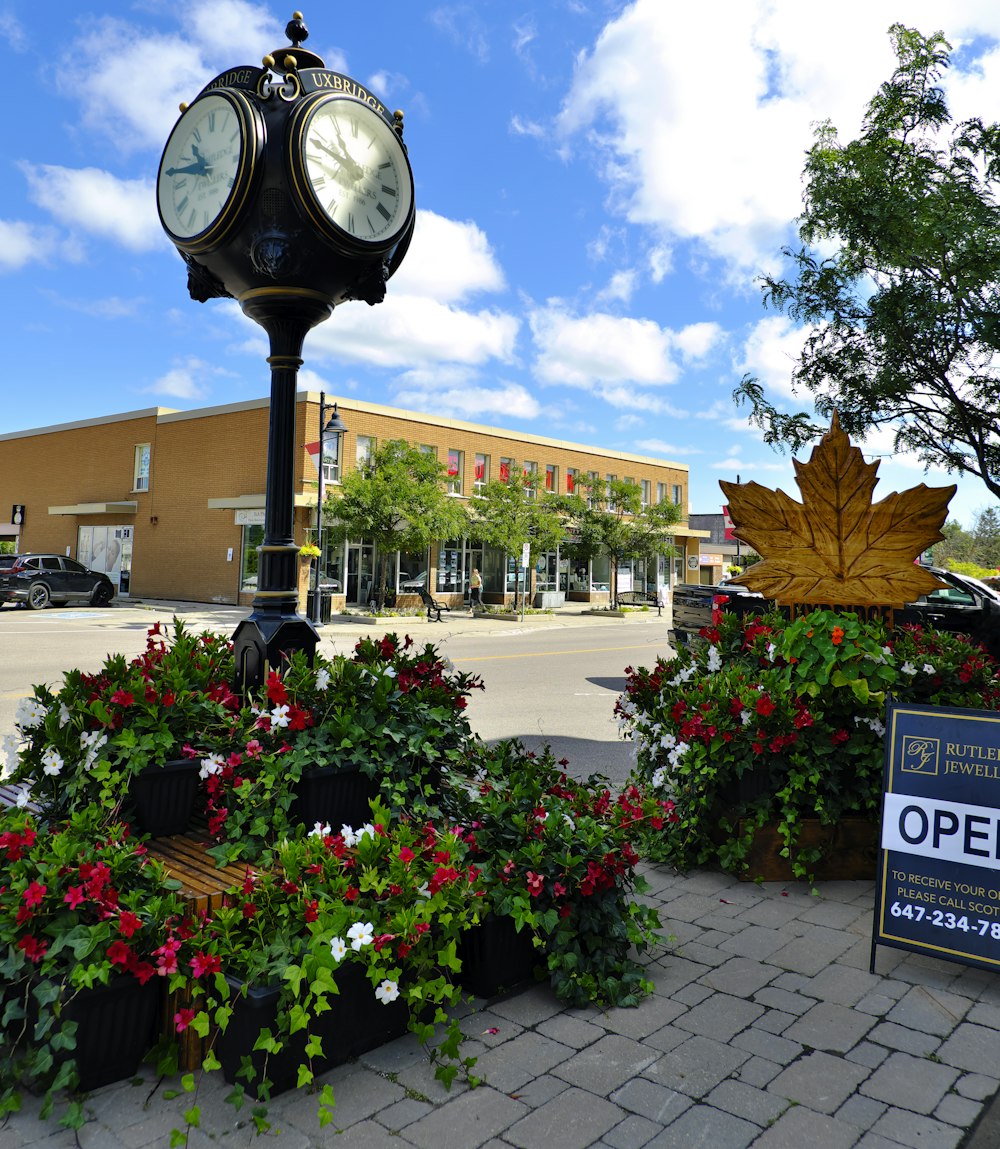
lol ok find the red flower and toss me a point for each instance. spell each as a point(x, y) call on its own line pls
point(765, 705)
point(33, 948)
point(120, 954)
point(249, 910)
point(203, 963)
point(276, 692)
point(183, 1018)
point(839, 736)
point(123, 698)
point(406, 855)
point(536, 883)
point(74, 897)
point(33, 894)
point(310, 911)
point(837, 636)
point(128, 923)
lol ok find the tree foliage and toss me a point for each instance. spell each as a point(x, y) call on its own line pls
point(904, 315)
point(507, 513)
point(398, 501)
point(613, 521)
point(974, 551)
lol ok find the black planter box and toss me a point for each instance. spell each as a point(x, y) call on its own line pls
point(495, 957)
point(163, 797)
point(333, 795)
point(355, 1023)
point(116, 1026)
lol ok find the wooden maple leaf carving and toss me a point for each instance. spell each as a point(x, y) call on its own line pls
point(836, 547)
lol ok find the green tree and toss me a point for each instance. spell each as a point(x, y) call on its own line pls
point(987, 535)
point(613, 521)
point(398, 501)
point(957, 546)
point(905, 313)
point(507, 513)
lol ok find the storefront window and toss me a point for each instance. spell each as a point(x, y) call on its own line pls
point(547, 571)
point(449, 568)
point(600, 573)
point(456, 464)
point(253, 537)
point(412, 567)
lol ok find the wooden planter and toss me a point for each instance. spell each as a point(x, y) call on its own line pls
point(851, 851)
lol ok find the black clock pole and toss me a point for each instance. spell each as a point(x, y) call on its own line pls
point(275, 629)
point(269, 242)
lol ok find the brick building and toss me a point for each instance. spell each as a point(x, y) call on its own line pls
point(171, 503)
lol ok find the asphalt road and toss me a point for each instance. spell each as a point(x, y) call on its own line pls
point(552, 684)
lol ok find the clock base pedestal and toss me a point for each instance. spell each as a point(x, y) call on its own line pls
point(263, 641)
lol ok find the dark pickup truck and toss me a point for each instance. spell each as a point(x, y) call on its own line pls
point(965, 606)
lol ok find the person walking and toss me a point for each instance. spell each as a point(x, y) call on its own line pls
point(475, 591)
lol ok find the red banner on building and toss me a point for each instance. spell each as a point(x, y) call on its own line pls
point(727, 522)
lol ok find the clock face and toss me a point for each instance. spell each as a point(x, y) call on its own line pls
point(351, 172)
point(206, 169)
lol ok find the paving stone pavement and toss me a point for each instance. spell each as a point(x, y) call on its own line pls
point(765, 1029)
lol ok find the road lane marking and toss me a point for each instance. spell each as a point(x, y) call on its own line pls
point(554, 653)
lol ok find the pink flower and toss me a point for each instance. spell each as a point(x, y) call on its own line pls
point(183, 1018)
point(123, 698)
point(406, 855)
point(74, 897)
point(33, 894)
point(536, 883)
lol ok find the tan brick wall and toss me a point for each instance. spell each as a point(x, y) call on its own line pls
point(179, 545)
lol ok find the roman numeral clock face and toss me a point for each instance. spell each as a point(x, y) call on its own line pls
point(351, 172)
point(206, 169)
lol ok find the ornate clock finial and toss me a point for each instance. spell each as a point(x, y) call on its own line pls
point(295, 30)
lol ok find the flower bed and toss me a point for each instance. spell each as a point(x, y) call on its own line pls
point(777, 722)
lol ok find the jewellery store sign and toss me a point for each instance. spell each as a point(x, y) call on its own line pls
point(938, 889)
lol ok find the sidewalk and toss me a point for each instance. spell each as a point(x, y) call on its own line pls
point(765, 1029)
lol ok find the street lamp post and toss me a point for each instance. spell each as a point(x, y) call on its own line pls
point(335, 427)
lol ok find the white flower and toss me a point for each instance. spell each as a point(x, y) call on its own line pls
point(279, 715)
point(213, 764)
point(772, 650)
point(714, 661)
point(30, 713)
point(366, 831)
point(320, 830)
point(322, 678)
point(658, 777)
point(349, 836)
point(928, 668)
point(64, 714)
point(23, 796)
point(10, 746)
point(387, 991)
point(338, 947)
point(361, 934)
point(389, 672)
point(908, 668)
point(52, 762)
point(424, 890)
point(92, 743)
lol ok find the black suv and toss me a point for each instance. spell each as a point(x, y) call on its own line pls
point(39, 580)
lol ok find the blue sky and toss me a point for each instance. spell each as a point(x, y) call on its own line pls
point(598, 186)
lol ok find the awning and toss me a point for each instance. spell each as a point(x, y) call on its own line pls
point(121, 508)
point(256, 502)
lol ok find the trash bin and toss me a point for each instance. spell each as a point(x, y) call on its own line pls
point(325, 603)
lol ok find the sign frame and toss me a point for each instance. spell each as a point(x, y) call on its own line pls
point(937, 889)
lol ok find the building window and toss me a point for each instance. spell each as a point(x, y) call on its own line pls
point(644, 496)
point(609, 499)
point(505, 466)
point(140, 471)
point(661, 492)
point(456, 464)
point(531, 479)
point(482, 473)
point(428, 449)
point(571, 474)
point(678, 494)
point(551, 479)
point(592, 497)
point(449, 567)
point(330, 446)
point(364, 450)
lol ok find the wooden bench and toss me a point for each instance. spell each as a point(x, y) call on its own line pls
point(203, 884)
point(9, 795)
point(640, 598)
point(433, 605)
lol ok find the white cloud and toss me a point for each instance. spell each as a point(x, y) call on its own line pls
point(620, 287)
point(660, 447)
point(95, 201)
point(470, 399)
point(771, 352)
point(173, 68)
point(598, 348)
point(184, 381)
point(448, 261)
point(22, 243)
point(717, 155)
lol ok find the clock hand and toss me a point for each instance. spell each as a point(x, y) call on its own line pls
point(353, 169)
point(198, 169)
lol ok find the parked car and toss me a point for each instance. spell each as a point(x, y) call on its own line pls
point(965, 606)
point(414, 585)
point(41, 580)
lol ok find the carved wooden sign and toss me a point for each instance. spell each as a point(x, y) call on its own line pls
point(837, 547)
